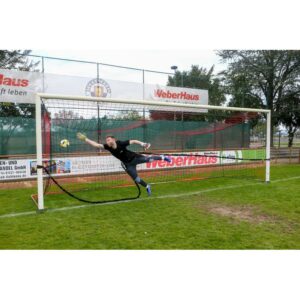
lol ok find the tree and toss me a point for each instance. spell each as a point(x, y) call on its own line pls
point(289, 116)
point(17, 59)
point(239, 88)
point(129, 115)
point(262, 79)
point(200, 78)
point(67, 115)
point(14, 116)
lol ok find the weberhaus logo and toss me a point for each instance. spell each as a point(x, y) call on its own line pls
point(9, 81)
point(159, 93)
point(98, 88)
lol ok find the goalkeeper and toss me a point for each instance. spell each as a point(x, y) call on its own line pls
point(128, 158)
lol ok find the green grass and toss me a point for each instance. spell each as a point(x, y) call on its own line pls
point(182, 218)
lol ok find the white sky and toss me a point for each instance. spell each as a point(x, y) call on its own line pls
point(160, 60)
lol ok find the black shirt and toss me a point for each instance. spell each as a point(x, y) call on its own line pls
point(121, 152)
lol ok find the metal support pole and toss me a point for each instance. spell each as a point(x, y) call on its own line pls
point(144, 113)
point(98, 112)
point(43, 72)
point(143, 84)
point(268, 147)
point(39, 152)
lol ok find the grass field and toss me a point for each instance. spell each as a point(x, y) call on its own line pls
point(220, 213)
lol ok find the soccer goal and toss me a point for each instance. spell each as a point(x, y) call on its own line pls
point(201, 142)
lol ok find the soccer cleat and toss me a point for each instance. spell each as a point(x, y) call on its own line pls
point(148, 188)
point(168, 159)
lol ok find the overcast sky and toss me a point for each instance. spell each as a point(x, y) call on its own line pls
point(160, 60)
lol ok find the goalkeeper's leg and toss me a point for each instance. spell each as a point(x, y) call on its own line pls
point(132, 172)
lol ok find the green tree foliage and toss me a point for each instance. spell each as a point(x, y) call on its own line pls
point(129, 115)
point(17, 59)
point(262, 79)
point(200, 78)
point(289, 116)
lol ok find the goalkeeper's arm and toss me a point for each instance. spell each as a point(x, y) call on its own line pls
point(136, 142)
point(83, 138)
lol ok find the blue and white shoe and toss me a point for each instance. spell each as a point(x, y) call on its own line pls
point(148, 188)
point(168, 159)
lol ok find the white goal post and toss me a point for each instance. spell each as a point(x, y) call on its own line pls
point(38, 104)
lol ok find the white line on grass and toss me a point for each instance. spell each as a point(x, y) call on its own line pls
point(12, 215)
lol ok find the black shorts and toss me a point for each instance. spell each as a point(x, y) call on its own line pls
point(130, 167)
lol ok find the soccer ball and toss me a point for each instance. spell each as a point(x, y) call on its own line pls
point(64, 143)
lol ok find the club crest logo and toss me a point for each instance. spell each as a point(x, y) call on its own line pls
point(98, 88)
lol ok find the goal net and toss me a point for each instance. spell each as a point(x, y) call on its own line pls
point(201, 141)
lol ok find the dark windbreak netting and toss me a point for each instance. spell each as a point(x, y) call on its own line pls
point(201, 144)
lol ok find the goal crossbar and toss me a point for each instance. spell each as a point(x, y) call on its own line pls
point(150, 102)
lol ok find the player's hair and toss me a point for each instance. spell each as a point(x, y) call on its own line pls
point(110, 136)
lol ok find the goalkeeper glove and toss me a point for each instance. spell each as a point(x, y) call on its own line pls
point(146, 145)
point(81, 136)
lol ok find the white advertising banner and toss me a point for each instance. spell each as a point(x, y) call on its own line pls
point(21, 169)
point(14, 169)
point(20, 86)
